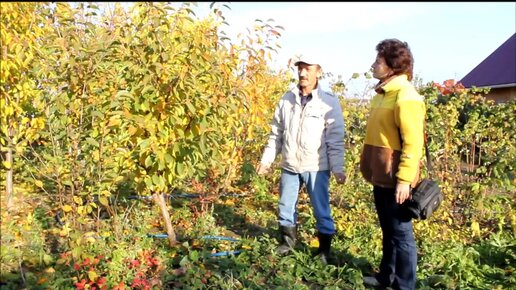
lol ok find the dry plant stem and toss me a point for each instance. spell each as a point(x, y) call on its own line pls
point(159, 199)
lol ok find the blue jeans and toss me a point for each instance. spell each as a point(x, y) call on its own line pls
point(399, 260)
point(317, 184)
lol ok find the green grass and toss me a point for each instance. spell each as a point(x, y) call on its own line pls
point(450, 256)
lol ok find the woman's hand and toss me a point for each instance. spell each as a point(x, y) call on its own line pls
point(402, 192)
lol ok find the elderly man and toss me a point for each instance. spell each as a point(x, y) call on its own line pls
point(308, 130)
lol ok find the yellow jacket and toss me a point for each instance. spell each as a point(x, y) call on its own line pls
point(397, 112)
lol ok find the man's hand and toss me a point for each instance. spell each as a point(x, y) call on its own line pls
point(263, 169)
point(340, 177)
point(402, 192)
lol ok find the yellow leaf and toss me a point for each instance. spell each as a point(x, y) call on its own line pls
point(131, 130)
point(314, 243)
point(475, 228)
point(7, 164)
point(50, 270)
point(104, 201)
point(77, 200)
point(90, 240)
point(38, 183)
point(114, 121)
point(67, 208)
point(92, 275)
point(65, 231)
point(96, 155)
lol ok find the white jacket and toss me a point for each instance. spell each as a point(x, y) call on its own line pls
point(309, 139)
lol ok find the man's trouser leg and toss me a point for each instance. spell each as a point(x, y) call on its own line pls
point(287, 210)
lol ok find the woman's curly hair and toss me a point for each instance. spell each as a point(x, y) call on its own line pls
point(397, 56)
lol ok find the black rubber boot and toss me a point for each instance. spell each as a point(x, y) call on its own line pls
point(324, 248)
point(288, 239)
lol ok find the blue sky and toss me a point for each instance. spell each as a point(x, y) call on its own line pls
point(448, 39)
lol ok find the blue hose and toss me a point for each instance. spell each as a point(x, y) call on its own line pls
point(189, 195)
point(220, 238)
point(168, 196)
point(218, 254)
point(138, 197)
point(225, 253)
point(161, 236)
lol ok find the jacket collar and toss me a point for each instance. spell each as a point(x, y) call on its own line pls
point(391, 84)
point(315, 92)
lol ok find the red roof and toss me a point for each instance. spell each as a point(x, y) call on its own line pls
point(497, 70)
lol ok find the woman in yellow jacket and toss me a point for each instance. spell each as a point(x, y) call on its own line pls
point(390, 158)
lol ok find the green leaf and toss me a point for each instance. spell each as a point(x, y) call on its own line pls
point(47, 259)
point(123, 93)
point(155, 179)
point(179, 168)
point(147, 89)
point(168, 158)
point(202, 144)
point(148, 161)
point(144, 144)
point(190, 107)
point(67, 182)
point(76, 252)
point(92, 142)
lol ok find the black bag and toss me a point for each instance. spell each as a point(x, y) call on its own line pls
point(426, 198)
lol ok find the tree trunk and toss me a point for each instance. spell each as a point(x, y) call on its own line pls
point(159, 199)
point(9, 187)
point(9, 191)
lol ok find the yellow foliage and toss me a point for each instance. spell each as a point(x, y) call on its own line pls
point(77, 200)
point(475, 228)
point(314, 243)
point(92, 275)
point(90, 237)
point(104, 201)
point(6, 164)
point(65, 230)
point(67, 208)
point(114, 121)
point(38, 183)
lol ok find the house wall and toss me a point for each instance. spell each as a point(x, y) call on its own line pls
point(501, 95)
